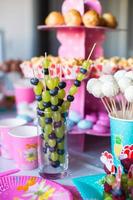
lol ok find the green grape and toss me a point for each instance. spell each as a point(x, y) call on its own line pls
point(59, 132)
point(46, 96)
point(124, 178)
point(42, 122)
point(46, 137)
point(80, 77)
point(56, 116)
point(48, 112)
point(130, 182)
point(65, 106)
point(108, 198)
point(61, 94)
point(40, 105)
point(61, 145)
point(54, 156)
point(48, 129)
point(56, 81)
point(46, 63)
point(73, 90)
point(50, 83)
point(54, 100)
point(86, 64)
point(110, 179)
point(62, 158)
point(52, 142)
point(38, 88)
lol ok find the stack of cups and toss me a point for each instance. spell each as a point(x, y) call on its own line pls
point(19, 142)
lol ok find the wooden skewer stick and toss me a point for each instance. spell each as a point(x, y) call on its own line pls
point(107, 103)
point(94, 45)
point(104, 103)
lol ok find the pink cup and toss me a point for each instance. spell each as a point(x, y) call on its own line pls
point(25, 149)
point(5, 141)
point(24, 92)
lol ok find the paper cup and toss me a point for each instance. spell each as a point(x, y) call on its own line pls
point(121, 135)
point(24, 141)
point(5, 142)
point(24, 92)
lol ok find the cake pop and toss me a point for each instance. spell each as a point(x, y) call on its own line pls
point(90, 84)
point(110, 89)
point(119, 74)
point(124, 83)
point(129, 93)
point(106, 78)
point(129, 74)
point(97, 89)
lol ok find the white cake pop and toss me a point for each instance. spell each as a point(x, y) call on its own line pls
point(119, 74)
point(97, 89)
point(90, 84)
point(129, 74)
point(106, 78)
point(129, 93)
point(110, 89)
point(124, 83)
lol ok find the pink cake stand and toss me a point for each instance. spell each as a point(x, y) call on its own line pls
point(76, 42)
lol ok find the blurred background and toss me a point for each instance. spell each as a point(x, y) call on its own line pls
point(19, 38)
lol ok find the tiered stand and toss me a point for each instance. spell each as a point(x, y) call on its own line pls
point(76, 42)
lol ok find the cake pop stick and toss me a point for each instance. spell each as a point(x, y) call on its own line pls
point(106, 106)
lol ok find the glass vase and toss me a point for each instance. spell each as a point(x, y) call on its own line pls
point(52, 152)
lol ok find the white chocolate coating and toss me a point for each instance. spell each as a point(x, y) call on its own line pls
point(129, 94)
point(90, 84)
point(124, 83)
point(129, 74)
point(97, 89)
point(106, 78)
point(119, 74)
point(110, 89)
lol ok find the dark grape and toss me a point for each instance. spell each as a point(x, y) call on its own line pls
point(52, 149)
point(40, 112)
point(54, 92)
point(55, 164)
point(52, 136)
point(70, 98)
point(47, 104)
point(48, 120)
point(60, 151)
point(57, 124)
point(38, 97)
point(45, 71)
point(60, 102)
point(83, 71)
point(62, 85)
point(77, 83)
point(54, 108)
point(34, 81)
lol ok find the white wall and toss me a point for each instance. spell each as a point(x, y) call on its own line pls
point(16, 20)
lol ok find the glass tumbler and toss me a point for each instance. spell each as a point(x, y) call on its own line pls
point(52, 152)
